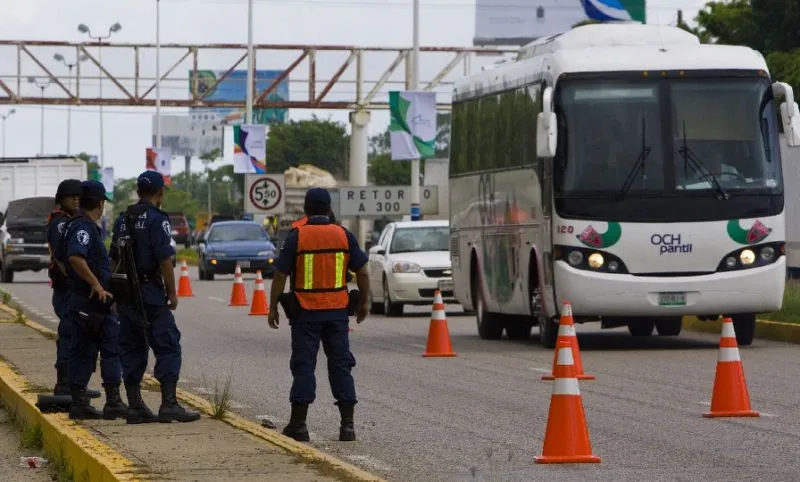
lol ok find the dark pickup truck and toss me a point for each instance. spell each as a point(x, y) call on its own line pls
point(23, 237)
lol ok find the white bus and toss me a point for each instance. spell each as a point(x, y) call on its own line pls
point(624, 168)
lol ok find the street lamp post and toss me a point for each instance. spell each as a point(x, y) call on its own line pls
point(82, 28)
point(70, 65)
point(4, 117)
point(41, 85)
point(415, 208)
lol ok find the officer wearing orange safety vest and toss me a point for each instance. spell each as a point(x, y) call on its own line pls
point(317, 256)
point(300, 222)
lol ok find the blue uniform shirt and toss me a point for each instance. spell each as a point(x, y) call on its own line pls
point(152, 246)
point(286, 264)
point(55, 229)
point(83, 238)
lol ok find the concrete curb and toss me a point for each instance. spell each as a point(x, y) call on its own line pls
point(277, 439)
point(765, 329)
point(87, 457)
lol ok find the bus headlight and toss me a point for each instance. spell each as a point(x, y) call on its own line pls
point(747, 257)
point(596, 260)
point(575, 258)
point(768, 254)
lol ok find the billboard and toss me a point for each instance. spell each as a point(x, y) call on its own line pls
point(232, 88)
point(517, 22)
point(185, 140)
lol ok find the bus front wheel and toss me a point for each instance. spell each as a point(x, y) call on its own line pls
point(641, 327)
point(548, 331)
point(745, 327)
point(489, 326)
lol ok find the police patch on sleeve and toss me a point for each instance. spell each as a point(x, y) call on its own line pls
point(83, 237)
point(166, 227)
point(61, 227)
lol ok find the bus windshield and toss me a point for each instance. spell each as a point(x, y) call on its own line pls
point(667, 138)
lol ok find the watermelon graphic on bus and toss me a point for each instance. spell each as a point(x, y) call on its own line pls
point(591, 238)
point(757, 232)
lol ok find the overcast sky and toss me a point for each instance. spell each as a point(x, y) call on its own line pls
point(128, 130)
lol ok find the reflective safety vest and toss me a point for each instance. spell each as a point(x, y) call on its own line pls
point(300, 222)
point(323, 254)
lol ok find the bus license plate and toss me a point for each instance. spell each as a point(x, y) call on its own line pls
point(446, 285)
point(244, 264)
point(672, 299)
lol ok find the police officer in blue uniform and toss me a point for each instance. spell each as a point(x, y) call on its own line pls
point(321, 311)
point(67, 202)
point(94, 326)
point(153, 258)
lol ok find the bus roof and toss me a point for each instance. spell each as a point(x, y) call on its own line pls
point(609, 48)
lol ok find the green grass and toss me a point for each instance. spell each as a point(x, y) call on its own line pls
point(31, 437)
point(790, 313)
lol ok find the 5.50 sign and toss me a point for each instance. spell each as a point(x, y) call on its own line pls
point(265, 194)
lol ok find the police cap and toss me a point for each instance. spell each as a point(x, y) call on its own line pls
point(150, 181)
point(318, 196)
point(93, 190)
point(68, 187)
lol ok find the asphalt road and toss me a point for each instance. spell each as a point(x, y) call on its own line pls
point(482, 414)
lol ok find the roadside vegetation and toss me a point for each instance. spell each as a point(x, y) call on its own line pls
point(790, 313)
point(187, 254)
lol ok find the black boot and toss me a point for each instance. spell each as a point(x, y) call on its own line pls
point(114, 408)
point(297, 428)
point(81, 409)
point(170, 410)
point(138, 412)
point(347, 431)
point(62, 384)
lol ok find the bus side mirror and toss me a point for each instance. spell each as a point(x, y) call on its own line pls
point(790, 115)
point(546, 127)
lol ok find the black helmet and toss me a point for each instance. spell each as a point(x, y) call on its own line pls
point(68, 187)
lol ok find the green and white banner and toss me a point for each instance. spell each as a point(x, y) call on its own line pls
point(413, 125)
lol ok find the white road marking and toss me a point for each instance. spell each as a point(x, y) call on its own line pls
point(542, 370)
point(417, 345)
point(763, 414)
point(214, 298)
point(371, 463)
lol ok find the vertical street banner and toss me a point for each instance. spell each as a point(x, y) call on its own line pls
point(250, 149)
point(412, 128)
point(159, 159)
point(107, 178)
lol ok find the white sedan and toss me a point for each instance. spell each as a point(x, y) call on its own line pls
point(409, 263)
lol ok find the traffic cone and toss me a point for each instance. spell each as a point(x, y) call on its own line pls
point(438, 334)
point(184, 283)
point(729, 397)
point(238, 294)
point(566, 439)
point(259, 306)
point(566, 332)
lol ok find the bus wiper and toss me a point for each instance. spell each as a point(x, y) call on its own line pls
point(639, 164)
point(689, 157)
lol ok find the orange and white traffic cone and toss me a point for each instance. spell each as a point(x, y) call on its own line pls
point(438, 334)
point(730, 397)
point(566, 439)
point(259, 305)
point(184, 283)
point(238, 294)
point(566, 332)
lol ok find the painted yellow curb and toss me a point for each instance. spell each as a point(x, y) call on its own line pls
point(765, 329)
point(86, 456)
point(275, 438)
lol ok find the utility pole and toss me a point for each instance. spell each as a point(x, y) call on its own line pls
point(70, 65)
point(41, 85)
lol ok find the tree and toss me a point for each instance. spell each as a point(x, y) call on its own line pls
point(322, 143)
point(769, 26)
point(177, 200)
point(93, 168)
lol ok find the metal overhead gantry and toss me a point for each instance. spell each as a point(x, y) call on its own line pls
point(320, 76)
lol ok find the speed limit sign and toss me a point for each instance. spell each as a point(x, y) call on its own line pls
point(265, 194)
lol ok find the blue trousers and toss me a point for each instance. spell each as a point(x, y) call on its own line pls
point(306, 337)
point(163, 336)
point(84, 350)
point(60, 307)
